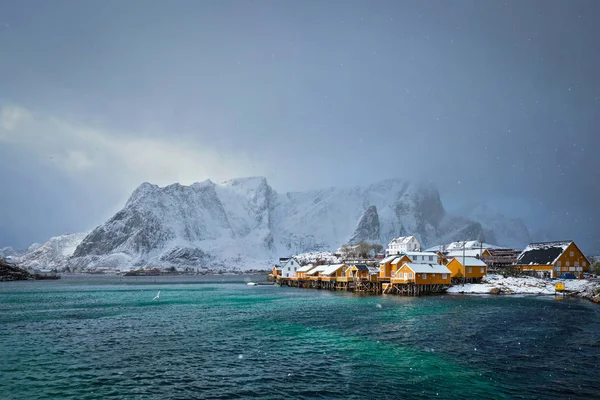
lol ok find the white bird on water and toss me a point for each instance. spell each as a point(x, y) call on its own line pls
point(157, 296)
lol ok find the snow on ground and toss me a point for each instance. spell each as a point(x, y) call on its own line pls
point(497, 284)
point(313, 256)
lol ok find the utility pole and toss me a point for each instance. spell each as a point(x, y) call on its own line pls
point(464, 266)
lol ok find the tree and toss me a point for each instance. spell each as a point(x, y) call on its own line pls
point(364, 249)
point(595, 269)
point(377, 248)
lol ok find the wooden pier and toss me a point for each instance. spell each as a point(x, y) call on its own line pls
point(364, 286)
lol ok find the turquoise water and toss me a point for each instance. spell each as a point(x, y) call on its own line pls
point(103, 337)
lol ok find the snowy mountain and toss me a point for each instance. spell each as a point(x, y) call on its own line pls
point(52, 254)
point(243, 223)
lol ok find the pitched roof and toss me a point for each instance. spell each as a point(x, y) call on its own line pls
point(402, 239)
point(361, 267)
point(543, 253)
point(288, 260)
point(306, 268)
point(471, 262)
point(332, 269)
point(467, 253)
point(318, 268)
point(428, 268)
point(388, 259)
point(398, 259)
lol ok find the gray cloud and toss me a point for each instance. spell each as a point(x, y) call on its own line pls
point(495, 102)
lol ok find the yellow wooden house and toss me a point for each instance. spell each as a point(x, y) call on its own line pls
point(302, 271)
point(553, 260)
point(469, 268)
point(422, 274)
point(315, 273)
point(360, 272)
point(385, 267)
point(332, 272)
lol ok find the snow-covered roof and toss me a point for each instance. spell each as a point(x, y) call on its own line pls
point(332, 269)
point(388, 259)
point(306, 268)
point(318, 268)
point(428, 268)
point(402, 239)
point(467, 253)
point(468, 244)
point(544, 253)
point(397, 260)
point(471, 262)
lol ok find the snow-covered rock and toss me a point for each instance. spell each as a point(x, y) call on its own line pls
point(314, 256)
point(52, 254)
point(244, 224)
point(497, 284)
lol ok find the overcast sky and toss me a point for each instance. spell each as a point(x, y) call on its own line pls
point(494, 101)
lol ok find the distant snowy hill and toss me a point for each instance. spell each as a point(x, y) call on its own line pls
point(243, 223)
point(52, 254)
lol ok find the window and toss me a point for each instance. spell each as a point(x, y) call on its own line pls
point(405, 275)
point(444, 276)
point(571, 254)
point(576, 263)
point(482, 270)
point(583, 263)
point(410, 275)
point(559, 264)
point(567, 263)
point(469, 270)
point(424, 276)
point(430, 258)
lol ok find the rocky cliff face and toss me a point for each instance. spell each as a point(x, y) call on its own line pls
point(245, 223)
point(368, 227)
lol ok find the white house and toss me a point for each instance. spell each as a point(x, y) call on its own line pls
point(403, 244)
point(422, 257)
point(289, 268)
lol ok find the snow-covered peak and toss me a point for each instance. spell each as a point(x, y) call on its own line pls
point(53, 253)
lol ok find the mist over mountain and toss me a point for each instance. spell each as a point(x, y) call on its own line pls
point(244, 223)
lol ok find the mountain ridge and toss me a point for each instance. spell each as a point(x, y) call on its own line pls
point(244, 223)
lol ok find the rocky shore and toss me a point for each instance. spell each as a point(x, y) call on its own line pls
point(10, 272)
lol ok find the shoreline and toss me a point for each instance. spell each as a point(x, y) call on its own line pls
point(498, 285)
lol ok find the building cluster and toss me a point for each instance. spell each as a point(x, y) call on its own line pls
point(406, 269)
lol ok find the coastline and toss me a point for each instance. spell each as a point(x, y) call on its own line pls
point(498, 285)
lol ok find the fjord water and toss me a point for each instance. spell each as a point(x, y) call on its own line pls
point(215, 337)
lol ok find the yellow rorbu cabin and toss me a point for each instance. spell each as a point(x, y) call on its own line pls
point(315, 273)
point(332, 272)
point(473, 268)
point(302, 271)
point(385, 268)
point(360, 272)
point(553, 260)
point(422, 274)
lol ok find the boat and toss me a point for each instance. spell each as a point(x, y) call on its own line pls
point(260, 283)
